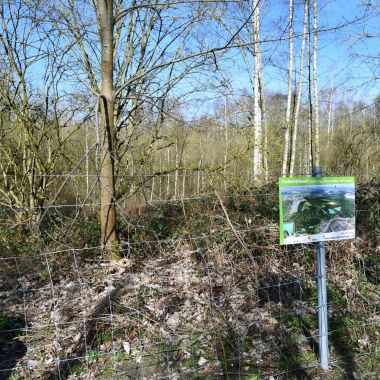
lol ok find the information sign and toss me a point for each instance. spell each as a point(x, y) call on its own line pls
point(316, 209)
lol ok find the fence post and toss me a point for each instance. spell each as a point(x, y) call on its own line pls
point(322, 296)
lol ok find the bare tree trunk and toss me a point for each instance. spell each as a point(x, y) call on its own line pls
point(299, 91)
point(107, 98)
point(310, 113)
point(285, 159)
point(184, 183)
point(306, 163)
point(160, 177)
point(152, 189)
point(200, 165)
point(132, 174)
point(315, 84)
point(257, 148)
point(265, 131)
point(168, 173)
point(226, 143)
point(330, 117)
point(87, 162)
point(176, 169)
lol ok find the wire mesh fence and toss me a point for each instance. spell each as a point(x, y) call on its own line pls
point(202, 289)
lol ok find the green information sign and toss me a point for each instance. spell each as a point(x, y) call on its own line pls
point(316, 209)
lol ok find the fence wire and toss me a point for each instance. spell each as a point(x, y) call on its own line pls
point(194, 295)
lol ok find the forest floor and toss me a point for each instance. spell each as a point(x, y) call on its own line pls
point(203, 290)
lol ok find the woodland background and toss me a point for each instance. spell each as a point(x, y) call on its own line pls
point(141, 142)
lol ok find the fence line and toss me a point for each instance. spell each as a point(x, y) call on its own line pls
point(253, 312)
point(213, 172)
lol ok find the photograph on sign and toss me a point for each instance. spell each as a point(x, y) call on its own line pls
point(316, 209)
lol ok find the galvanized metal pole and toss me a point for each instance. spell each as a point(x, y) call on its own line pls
point(322, 296)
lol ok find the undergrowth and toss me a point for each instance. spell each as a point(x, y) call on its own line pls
point(237, 232)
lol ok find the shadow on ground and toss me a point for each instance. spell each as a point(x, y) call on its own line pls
point(12, 349)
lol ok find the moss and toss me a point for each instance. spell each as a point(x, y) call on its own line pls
point(334, 294)
point(15, 376)
point(307, 358)
point(6, 323)
point(77, 369)
point(369, 364)
point(254, 377)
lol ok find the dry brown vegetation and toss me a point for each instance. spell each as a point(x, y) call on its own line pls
point(196, 294)
point(153, 132)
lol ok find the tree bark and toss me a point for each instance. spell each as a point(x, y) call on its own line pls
point(315, 85)
point(285, 159)
point(299, 91)
point(257, 119)
point(330, 117)
point(310, 112)
point(107, 99)
point(226, 143)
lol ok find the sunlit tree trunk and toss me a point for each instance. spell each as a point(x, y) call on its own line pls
point(310, 110)
point(152, 188)
point(265, 132)
point(176, 173)
point(285, 159)
point(257, 118)
point(87, 161)
point(200, 165)
point(330, 118)
point(184, 183)
point(107, 98)
point(299, 90)
point(315, 85)
point(160, 177)
point(226, 143)
point(168, 169)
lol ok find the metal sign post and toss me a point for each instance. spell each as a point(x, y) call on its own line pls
point(322, 296)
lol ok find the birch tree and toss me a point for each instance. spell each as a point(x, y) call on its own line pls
point(285, 159)
point(315, 84)
point(257, 115)
point(299, 89)
point(310, 158)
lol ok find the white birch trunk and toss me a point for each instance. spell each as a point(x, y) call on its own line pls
point(330, 118)
point(87, 163)
point(315, 85)
point(152, 189)
point(299, 91)
point(285, 159)
point(184, 183)
point(265, 131)
point(168, 175)
point(226, 143)
point(257, 148)
point(199, 165)
point(176, 170)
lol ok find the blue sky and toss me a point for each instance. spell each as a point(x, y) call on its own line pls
point(342, 46)
point(340, 55)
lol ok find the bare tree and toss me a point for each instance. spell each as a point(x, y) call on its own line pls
point(257, 111)
point(310, 158)
point(315, 84)
point(143, 54)
point(39, 122)
point(107, 102)
point(286, 155)
point(299, 89)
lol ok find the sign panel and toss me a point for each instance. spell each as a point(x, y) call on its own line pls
point(316, 209)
